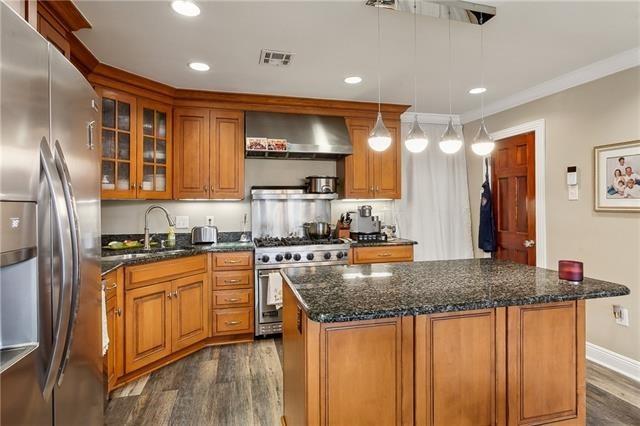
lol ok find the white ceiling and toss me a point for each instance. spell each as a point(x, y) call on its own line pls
point(527, 43)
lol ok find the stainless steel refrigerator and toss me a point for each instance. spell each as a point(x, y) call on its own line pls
point(50, 306)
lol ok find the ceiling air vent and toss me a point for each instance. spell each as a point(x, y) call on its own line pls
point(273, 57)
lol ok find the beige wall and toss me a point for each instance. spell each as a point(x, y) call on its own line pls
point(601, 112)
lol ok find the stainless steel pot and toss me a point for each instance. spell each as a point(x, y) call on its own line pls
point(317, 230)
point(322, 184)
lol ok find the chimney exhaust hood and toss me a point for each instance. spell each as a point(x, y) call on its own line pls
point(309, 137)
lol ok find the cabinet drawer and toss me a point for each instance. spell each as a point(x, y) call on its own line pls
point(165, 270)
point(382, 254)
point(228, 280)
point(234, 260)
point(232, 321)
point(233, 298)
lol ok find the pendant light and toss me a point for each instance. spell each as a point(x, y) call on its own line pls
point(482, 142)
point(416, 140)
point(450, 142)
point(379, 138)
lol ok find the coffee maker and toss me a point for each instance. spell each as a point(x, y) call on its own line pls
point(364, 226)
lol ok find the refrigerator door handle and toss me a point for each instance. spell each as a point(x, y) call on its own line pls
point(70, 201)
point(61, 218)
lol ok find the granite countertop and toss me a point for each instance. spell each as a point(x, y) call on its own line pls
point(157, 254)
point(360, 292)
point(393, 242)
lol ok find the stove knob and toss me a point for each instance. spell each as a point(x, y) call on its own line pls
point(265, 258)
point(279, 257)
point(327, 255)
point(346, 254)
point(296, 256)
point(339, 255)
point(287, 256)
point(310, 256)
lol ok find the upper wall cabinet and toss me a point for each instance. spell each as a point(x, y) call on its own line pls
point(136, 147)
point(367, 173)
point(209, 154)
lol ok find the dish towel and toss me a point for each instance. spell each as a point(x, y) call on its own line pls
point(274, 290)
point(105, 331)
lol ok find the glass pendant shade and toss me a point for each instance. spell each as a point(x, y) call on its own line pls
point(416, 140)
point(482, 143)
point(450, 142)
point(379, 138)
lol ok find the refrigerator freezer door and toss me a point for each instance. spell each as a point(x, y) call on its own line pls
point(78, 395)
point(24, 106)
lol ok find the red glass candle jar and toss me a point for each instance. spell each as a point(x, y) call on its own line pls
point(570, 270)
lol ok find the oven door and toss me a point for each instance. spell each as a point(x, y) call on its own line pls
point(268, 318)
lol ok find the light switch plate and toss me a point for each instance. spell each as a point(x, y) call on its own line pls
point(182, 222)
point(209, 220)
point(573, 192)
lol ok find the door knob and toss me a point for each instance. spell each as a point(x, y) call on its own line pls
point(529, 243)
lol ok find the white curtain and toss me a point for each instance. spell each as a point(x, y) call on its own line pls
point(434, 209)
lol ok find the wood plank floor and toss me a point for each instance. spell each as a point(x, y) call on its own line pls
point(242, 385)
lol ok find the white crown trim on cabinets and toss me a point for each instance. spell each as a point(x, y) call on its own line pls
point(620, 62)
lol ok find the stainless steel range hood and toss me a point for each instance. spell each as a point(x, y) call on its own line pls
point(310, 137)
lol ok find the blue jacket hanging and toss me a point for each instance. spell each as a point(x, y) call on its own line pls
point(487, 228)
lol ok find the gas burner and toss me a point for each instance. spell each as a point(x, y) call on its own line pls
point(293, 241)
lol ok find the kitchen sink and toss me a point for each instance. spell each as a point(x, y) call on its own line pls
point(120, 257)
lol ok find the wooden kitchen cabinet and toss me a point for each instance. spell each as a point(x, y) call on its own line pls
point(136, 140)
point(189, 311)
point(191, 153)
point(114, 359)
point(148, 324)
point(154, 159)
point(118, 141)
point(367, 173)
point(226, 149)
point(381, 254)
point(165, 317)
point(209, 154)
point(546, 353)
point(460, 368)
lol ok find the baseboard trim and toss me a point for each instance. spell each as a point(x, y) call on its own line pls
point(614, 361)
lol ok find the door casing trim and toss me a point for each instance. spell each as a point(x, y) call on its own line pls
point(539, 129)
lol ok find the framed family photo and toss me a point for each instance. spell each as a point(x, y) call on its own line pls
point(617, 177)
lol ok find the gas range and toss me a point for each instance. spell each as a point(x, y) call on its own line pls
point(274, 253)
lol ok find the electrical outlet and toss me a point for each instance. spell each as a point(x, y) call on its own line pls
point(621, 314)
point(182, 222)
point(209, 220)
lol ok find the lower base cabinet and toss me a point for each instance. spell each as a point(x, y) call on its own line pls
point(165, 317)
point(147, 325)
point(521, 365)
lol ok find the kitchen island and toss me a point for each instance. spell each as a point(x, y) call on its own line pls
point(435, 343)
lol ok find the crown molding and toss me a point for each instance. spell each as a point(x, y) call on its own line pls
point(429, 118)
point(620, 62)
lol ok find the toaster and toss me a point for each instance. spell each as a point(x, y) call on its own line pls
point(207, 234)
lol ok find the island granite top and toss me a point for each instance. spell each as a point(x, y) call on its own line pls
point(361, 292)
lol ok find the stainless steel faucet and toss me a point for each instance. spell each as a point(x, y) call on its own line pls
point(147, 243)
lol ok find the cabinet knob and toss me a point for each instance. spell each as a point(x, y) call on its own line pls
point(232, 300)
point(205, 188)
point(212, 188)
point(133, 186)
point(231, 281)
point(119, 312)
point(232, 322)
point(169, 295)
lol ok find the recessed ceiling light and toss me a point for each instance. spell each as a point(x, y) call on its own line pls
point(185, 7)
point(477, 90)
point(353, 80)
point(199, 66)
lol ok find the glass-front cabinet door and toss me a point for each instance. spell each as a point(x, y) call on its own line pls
point(154, 150)
point(118, 137)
